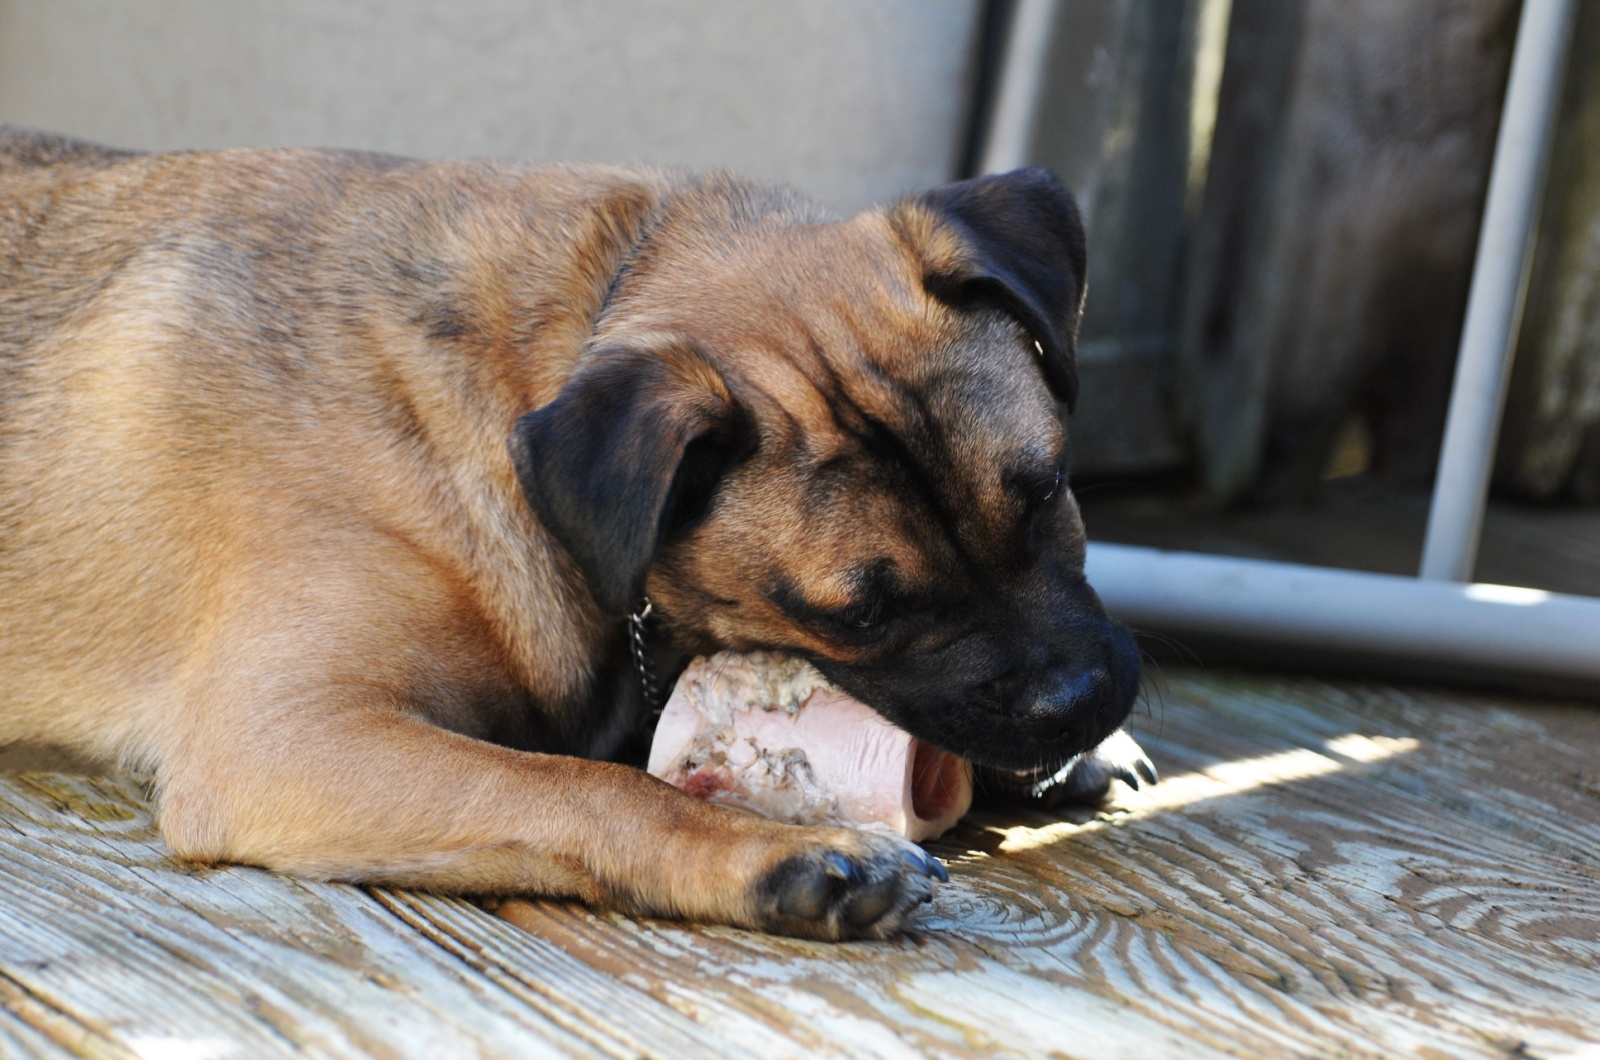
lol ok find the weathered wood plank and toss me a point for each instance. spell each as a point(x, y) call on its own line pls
point(1326, 871)
point(111, 947)
point(565, 990)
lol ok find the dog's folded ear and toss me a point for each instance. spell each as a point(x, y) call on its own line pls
point(1014, 241)
point(629, 453)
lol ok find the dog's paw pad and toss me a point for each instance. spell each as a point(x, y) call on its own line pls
point(866, 886)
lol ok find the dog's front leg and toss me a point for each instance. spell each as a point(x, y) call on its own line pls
point(371, 793)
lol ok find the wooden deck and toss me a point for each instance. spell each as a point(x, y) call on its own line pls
point(1326, 870)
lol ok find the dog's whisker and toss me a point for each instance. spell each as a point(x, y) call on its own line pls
point(1186, 655)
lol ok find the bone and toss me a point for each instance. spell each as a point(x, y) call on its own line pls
point(767, 733)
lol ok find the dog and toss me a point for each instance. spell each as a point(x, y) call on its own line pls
point(329, 482)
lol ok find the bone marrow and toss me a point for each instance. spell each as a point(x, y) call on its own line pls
point(767, 733)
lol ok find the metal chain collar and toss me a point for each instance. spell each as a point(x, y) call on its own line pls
point(641, 657)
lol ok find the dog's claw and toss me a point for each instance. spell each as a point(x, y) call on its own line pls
point(838, 866)
point(926, 864)
point(1083, 781)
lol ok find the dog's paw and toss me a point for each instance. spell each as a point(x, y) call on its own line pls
point(847, 885)
point(1083, 781)
point(1088, 777)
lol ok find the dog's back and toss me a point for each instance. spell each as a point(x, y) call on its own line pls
point(22, 149)
point(212, 364)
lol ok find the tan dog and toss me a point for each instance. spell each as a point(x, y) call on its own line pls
point(328, 480)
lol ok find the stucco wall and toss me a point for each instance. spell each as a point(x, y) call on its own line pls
point(853, 101)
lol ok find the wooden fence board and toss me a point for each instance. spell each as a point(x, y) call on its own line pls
point(1550, 438)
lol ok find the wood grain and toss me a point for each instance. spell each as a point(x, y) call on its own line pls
point(1327, 870)
point(112, 948)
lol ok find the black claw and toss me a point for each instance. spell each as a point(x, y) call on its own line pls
point(1147, 769)
point(925, 863)
point(1128, 777)
point(838, 865)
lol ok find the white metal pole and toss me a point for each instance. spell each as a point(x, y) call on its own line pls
point(1449, 628)
point(1022, 70)
point(1499, 277)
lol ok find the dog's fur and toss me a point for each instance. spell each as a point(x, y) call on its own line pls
point(328, 479)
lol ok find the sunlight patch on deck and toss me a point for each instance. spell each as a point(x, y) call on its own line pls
point(1223, 778)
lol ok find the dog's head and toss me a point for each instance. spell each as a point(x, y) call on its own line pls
point(845, 440)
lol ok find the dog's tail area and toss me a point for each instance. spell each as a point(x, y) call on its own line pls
point(22, 148)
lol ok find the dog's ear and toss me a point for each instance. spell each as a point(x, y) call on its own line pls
point(629, 453)
point(1014, 241)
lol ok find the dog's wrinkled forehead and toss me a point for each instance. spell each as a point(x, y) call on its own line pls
point(958, 376)
point(946, 404)
point(920, 354)
point(901, 434)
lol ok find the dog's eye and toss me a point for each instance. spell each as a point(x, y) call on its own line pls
point(1046, 492)
point(1036, 475)
point(1038, 492)
point(859, 619)
point(1038, 496)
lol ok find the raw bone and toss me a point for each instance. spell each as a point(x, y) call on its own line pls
point(767, 733)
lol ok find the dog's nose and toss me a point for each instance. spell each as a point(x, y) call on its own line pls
point(1065, 710)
